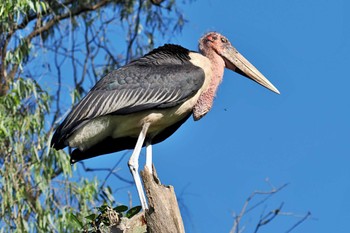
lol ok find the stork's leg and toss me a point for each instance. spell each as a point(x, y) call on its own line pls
point(134, 165)
point(149, 156)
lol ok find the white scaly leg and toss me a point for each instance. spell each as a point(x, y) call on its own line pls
point(149, 157)
point(134, 165)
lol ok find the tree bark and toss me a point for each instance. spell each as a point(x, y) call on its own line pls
point(163, 214)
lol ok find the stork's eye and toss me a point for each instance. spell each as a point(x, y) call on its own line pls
point(223, 40)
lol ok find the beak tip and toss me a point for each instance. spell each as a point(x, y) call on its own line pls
point(270, 86)
point(277, 92)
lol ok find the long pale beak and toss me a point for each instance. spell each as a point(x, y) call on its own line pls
point(236, 62)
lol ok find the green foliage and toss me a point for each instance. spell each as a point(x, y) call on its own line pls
point(103, 217)
point(14, 15)
point(12, 12)
point(38, 38)
point(36, 192)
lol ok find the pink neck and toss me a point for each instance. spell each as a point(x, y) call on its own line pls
point(205, 101)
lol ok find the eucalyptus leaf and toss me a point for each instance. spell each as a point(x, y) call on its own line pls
point(92, 217)
point(76, 220)
point(133, 211)
point(120, 208)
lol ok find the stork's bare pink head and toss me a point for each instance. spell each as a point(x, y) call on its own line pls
point(214, 42)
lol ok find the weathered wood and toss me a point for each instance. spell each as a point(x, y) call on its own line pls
point(137, 224)
point(163, 214)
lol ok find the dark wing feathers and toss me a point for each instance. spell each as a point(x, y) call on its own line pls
point(136, 87)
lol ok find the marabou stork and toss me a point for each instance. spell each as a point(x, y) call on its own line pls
point(147, 100)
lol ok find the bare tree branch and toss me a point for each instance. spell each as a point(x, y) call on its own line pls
point(264, 220)
point(133, 32)
point(6, 78)
point(307, 216)
point(245, 209)
point(111, 171)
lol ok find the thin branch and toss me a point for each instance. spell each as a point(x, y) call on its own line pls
point(37, 31)
point(268, 217)
point(308, 214)
point(87, 55)
point(245, 209)
point(59, 87)
point(134, 34)
point(32, 17)
point(112, 171)
point(74, 66)
point(269, 195)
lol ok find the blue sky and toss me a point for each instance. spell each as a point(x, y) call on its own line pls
point(300, 137)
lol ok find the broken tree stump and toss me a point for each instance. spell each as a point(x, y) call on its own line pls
point(163, 214)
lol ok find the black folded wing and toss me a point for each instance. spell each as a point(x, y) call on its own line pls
point(163, 78)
